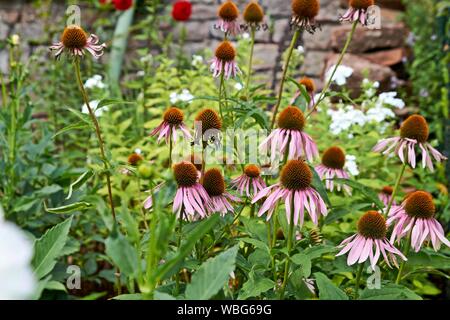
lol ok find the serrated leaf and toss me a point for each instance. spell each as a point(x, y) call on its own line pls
point(327, 289)
point(79, 182)
point(304, 262)
point(317, 251)
point(255, 286)
point(389, 292)
point(48, 248)
point(212, 276)
point(77, 206)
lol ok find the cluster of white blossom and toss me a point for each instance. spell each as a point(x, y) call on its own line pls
point(95, 82)
point(341, 74)
point(184, 96)
point(350, 164)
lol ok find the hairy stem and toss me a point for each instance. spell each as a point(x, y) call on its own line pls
point(250, 61)
point(394, 192)
point(289, 248)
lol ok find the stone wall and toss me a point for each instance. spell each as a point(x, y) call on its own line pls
point(380, 50)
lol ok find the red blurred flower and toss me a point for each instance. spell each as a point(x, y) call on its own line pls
point(122, 4)
point(182, 10)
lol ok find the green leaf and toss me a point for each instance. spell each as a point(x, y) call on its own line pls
point(327, 289)
point(129, 296)
point(429, 258)
point(122, 253)
point(77, 206)
point(212, 276)
point(79, 182)
point(75, 126)
point(389, 292)
point(48, 190)
point(109, 102)
point(366, 191)
point(255, 286)
point(195, 235)
point(48, 248)
point(304, 262)
point(318, 251)
point(55, 285)
point(163, 296)
point(318, 184)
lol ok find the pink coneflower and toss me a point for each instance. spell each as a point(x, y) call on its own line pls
point(385, 195)
point(304, 14)
point(75, 41)
point(224, 61)
point(228, 13)
point(417, 212)
point(254, 16)
point(173, 120)
point(358, 11)
point(414, 131)
point(310, 88)
point(191, 200)
point(294, 185)
point(289, 137)
point(370, 242)
point(215, 187)
point(251, 182)
point(332, 166)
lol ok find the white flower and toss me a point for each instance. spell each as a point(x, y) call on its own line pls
point(350, 164)
point(379, 114)
point(93, 104)
point(343, 119)
point(238, 86)
point(245, 35)
point(95, 82)
point(341, 74)
point(300, 49)
point(17, 281)
point(138, 151)
point(147, 59)
point(389, 98)
point(184, 96)
point(196, 60)
point(140, 73)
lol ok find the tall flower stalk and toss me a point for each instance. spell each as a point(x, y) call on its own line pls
point(330, 80)
point(250, 60)
point(284, 76)
point(98, 133)
point(289, 248)
point(395, 190)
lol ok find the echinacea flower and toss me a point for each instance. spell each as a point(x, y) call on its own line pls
point(122, 5)
point(290, 137)
point(414, 131)
point(191, 200)
point(310, 88)
point(75, 41)
point(224, 61)
point(211, 124)
point(254, 16)
point(358, 11)
point(228, 13)
point(249, 183)
point(295, 190)
point(332, 166)
point(385, 195)
point(172, 121)
point(181, 10)
point(304, 13)
point(215, 187)
point(134, 159)
point(417, 213)
point(370, 242)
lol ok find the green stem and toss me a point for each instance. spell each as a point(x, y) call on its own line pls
point(140, 202)
point(250, 61)
point(170, 152)
point(405, 253)
point(221, 89)
point(98, 133)
point(283, 78)
point(341, 57)
point(289, 248)
point(394, 192)
point(358, 277)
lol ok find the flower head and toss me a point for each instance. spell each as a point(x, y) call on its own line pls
point(289, 137)
point(417, 213)
point(181, 10)
point(224, 61)
point(254, 16)
point(228, 13)
point(332, 166)
point(191, 200)
point(209, 119)
point(134, 159)
point(214, 185)
point(172, 121)
point(385, 195)
point(304, 13)
point(413, 132)
point(295, 190)
point(249, 183)
point(75, 41)
point(370, 242)
point(122, 5)
point(358, 11)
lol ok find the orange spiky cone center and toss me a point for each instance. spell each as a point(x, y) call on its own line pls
point(305, 8)
point(420, 205)
point(228, 11)
point(308, 83)
point(226, 52)
point(291, 118)
point(185, 174)
point(334, 158)
point(252, 171)
point(253, 13)
point(213, 182)
point(209, 119)
point(134, 159)
point(372, 225)
point(173, 116)
point(415, 127)
point(361, 4)
point(296, 175)
point(74, 37)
